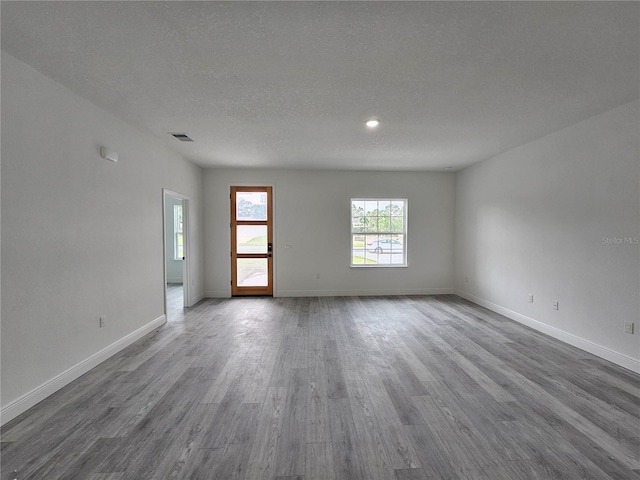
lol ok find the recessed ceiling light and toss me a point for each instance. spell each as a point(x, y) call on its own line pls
point(373, 123)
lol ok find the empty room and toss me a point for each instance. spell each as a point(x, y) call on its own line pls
point(320, 240)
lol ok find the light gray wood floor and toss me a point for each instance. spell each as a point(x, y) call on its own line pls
point(400, 388)
point(175, 299)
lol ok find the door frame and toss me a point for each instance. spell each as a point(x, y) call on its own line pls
point(274, 231)
point(186, 302)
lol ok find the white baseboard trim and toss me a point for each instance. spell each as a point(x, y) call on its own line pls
point(573, 340)
point(363, 293)
point(196, 298)
point(48, 388)
point(341, 293)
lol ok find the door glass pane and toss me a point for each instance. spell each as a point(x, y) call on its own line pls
point(251, 206)
point(251, 239)
point(252, 272)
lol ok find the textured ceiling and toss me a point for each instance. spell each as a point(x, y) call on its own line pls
point(290, 84)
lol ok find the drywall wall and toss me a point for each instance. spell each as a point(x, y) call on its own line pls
point(82, 237)
point(174, 267)
point(312, 215)
point(559, 218)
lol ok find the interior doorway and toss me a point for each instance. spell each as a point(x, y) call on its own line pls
point(175, 207)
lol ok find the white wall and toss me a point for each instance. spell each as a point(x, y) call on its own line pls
point(535, 221)
point(312, 213)
point(82, 237)
point(174, 267)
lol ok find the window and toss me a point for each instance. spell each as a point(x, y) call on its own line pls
point(178, 235)
point(378, 232)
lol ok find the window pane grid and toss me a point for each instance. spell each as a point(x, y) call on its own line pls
point(378, 232)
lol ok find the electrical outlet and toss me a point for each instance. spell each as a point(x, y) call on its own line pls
point(628, 327)
point(103, 321)
point(556, 306)
point(531, 298)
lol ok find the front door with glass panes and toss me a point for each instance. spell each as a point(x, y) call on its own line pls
point(251, 241)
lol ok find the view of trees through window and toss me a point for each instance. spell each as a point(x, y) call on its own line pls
point(378, 232)
point(251, 206)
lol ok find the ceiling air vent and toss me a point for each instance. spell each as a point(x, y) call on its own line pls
point(183, 137)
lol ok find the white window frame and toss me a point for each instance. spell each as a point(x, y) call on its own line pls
point(178, 230)
point(367, 254)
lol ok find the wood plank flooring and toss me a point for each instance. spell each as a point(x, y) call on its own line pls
point(175, 299)
point(355, 388)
